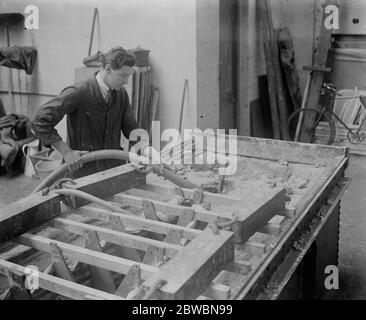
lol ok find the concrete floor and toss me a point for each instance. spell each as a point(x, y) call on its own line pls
point(352, 251)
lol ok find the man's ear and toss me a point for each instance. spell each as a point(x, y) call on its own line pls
point(108, 68)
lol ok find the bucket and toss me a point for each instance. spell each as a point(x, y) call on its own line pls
point(44, 167)
point(29, 150)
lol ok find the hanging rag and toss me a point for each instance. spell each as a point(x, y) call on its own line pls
point(19, 58)
point(13, 127)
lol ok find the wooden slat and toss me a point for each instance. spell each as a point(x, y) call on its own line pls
point(130, 282)
point(268, 149)
point(170, 209)
point(32, 211)
point(271, 228)
point(59, 264)
point(116, 237)
point(256, 248)
point(193, 268)
point(317, 77)
point(257, 211)
point(27, 213)
point(60, 286)
point(122, 250)
point(227, 10)
point(218, 291)
point(87, 256)
point(150, 225)
point(242, 107)
point(101, 278)
point(188, 193)
point(109, 182)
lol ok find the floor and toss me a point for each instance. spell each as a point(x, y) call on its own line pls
point(352, 253)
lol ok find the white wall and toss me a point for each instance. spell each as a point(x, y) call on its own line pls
point(166, 27)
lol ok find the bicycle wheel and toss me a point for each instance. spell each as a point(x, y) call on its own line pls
point(326, 129)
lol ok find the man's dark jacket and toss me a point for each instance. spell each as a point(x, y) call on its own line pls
point(92, 124)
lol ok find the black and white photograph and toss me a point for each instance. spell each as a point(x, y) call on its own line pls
point(200, 151)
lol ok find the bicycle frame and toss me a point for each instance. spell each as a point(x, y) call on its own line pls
point(325, 109)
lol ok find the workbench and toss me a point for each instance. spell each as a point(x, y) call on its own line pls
point(144, 238)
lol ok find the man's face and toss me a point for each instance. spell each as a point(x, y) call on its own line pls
point(116, 79)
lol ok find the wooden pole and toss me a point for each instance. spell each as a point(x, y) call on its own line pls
point(92, 31)
point(270, 70)
point(10, 75)
point(182, 104)
point(301, 118)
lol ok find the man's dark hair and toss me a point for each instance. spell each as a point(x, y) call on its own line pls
point(119, 57)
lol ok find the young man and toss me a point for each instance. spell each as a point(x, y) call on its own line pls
point(98, 109)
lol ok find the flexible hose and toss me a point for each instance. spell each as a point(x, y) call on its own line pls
point(114, 155)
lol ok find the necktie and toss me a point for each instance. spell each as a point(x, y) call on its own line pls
point(108, 96)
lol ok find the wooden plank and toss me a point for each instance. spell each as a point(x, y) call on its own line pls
point(272, 229)
point(149, 225)
point(256, 248)
point(174, 237)
point(109, 182)
point(255, 211)
point(218, 291)
point(154, 256)
point(242, 108)
point(154, 106)
point(60, 286)
point(59, 264)
point(317, 77)
point(268, 52)
point(149, 194)
point(27, 213)
point(102, 279)
point(190, 272)
point(282, 101)
point(186, 217)
point(123, 250)
point(282, 150)
point(288, 63)
point(141, 114)
point(227, 11)
point(131, 281)
point(188, 193)
point(32, 211)
point(18, 290)
point(84, 255)
point(170, 209)
point(113, 236)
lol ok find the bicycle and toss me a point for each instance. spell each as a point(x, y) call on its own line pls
point(326, 116)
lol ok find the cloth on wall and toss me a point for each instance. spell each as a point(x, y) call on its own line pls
point(19, 58)
point(2, 109)
point(13, 127)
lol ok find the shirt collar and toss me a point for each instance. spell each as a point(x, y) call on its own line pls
point(102, 86)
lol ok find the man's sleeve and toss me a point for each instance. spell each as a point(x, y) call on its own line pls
point(51, 113)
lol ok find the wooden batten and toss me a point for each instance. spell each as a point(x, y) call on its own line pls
point(194, 267)
point(170, 209)
point(60, 286)
point(84, 255)
point(149, 225)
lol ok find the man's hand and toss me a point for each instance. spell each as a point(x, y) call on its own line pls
point(73, 159)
